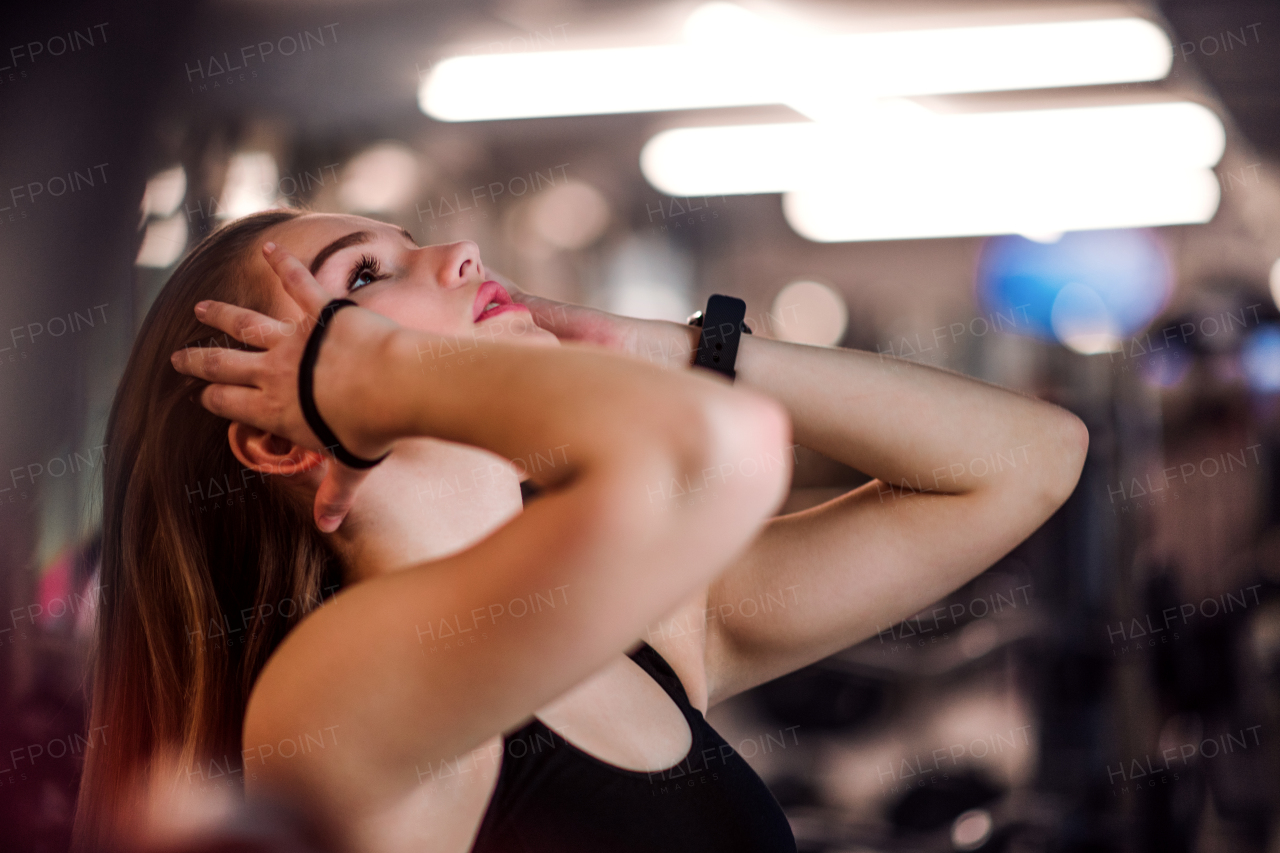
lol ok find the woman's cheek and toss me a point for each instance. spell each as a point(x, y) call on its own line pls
point(415, 311)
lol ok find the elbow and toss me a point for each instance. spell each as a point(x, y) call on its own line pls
point(745, 451)
point(722, 460)
point(757, 439)
point(1067, 442)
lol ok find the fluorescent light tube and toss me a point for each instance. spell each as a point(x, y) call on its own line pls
point(770, 158)
point(927, 202)
point(808, 69)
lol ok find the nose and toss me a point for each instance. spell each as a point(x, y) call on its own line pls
point(459, 263)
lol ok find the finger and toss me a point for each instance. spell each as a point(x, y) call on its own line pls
point(536, 304)
point(555, 317)
point(217, 364)
point(336, 495)
point(297, 280)
point(235, 403)
point(511, 286)
point(246, 326)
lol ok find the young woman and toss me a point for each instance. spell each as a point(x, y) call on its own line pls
point(489, 676)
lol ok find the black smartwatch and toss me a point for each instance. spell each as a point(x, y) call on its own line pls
point(722, 326)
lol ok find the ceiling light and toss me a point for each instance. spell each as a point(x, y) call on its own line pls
point(250, 184)
point(736, 68)
point(163, 242)
point(703, 161)
point(929, 202)
point(165, 191)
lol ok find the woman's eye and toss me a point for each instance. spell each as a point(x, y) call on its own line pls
point(365, 272)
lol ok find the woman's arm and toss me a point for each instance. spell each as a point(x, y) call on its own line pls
point(963, 470)
point(595, 558)
point(910, 425)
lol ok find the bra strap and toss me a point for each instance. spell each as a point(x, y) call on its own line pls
point(648, 658)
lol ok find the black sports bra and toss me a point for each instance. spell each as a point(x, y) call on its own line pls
point(552, 797)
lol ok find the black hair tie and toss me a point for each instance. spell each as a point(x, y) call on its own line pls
point(306, 391)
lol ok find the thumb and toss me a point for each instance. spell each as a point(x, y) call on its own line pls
point(336, 494)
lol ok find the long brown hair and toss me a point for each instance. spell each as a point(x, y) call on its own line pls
point(205, 565)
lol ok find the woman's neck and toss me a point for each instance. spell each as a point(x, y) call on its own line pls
point(428, 500)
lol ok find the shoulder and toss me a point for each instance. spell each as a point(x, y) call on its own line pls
point(297, 745)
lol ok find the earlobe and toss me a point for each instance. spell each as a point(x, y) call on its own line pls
point(267, 453)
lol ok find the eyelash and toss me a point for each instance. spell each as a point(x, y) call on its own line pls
point(367, 264)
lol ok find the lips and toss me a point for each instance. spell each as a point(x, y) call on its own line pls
point(489, 293)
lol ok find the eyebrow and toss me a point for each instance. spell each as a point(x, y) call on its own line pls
point(355, 238)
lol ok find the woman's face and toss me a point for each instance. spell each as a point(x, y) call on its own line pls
point(442, 289)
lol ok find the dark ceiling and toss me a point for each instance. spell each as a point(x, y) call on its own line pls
point(1236, 47)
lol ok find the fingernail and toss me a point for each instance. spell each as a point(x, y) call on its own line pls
point(173, 358)
point(268, 248)
point(329, 523)
point(203, 306)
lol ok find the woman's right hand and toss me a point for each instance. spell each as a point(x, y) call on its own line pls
point(260, 389)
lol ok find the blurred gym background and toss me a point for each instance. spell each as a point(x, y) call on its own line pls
point(1077, 200)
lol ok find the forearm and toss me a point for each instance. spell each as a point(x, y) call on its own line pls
point(520, 400)
point(906, 423)
point(901, 422)
point(592, 406)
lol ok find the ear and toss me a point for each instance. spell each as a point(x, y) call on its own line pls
point(267, 453)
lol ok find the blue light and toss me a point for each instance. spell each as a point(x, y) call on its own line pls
point(1260, 358)
point(1167, 368)
point(1088, 289)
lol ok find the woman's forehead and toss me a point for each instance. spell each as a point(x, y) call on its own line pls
point(304, 237)
point(307, 234)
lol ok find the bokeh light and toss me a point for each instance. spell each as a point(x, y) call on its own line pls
point(380, 179)
point(570, 216)
point(250, 184)
point(971, 829)
point(164, 192)
point(1260, 359)
point(163, 242)
point(1087, 290)
point(809, 312)
point(1275, 282)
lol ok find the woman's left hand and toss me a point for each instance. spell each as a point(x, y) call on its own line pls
point(661, 342)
